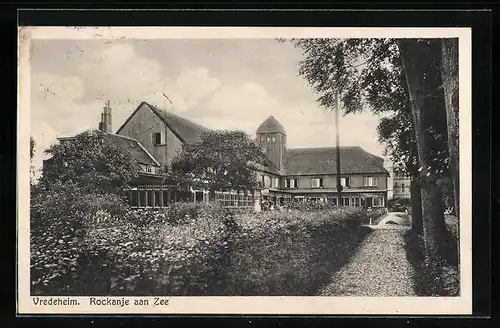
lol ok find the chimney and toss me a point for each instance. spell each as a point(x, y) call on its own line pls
point(106, 124)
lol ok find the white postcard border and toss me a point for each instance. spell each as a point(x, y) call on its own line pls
point(248, 305)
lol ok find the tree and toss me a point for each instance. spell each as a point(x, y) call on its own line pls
point(219, 161)
point(449, 70)
point(93, 163)
point(421, 60)
point(402, 77)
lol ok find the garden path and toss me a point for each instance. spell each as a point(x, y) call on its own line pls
point(379, 268)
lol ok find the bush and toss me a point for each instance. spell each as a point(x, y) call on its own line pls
point(399, 204)
point(292, 252)
point(59, 220)
point(201, 249)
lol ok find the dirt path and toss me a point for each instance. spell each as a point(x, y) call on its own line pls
point(379, 268)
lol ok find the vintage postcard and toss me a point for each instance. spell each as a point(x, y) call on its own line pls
point(241, 170)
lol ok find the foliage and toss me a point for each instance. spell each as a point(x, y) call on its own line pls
point(399, 204)
point(93, 163)
point(369, 71)
point(221, 160)
point(212, 253)
point(423, 285)
point(59, 220)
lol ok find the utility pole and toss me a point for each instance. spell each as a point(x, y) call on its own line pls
point(339, 185)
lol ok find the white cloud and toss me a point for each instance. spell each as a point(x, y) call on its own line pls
point(66, 103)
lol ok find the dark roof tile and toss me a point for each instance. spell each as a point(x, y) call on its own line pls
point(271, 125)
point(184, 129)
point(305, 161)
point(131, 145)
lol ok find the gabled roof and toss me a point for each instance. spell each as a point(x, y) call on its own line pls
point(311, 161)
point(131, 145)
point(271, 125)
point(185, 130)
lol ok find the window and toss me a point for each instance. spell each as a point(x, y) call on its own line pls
point(370, 181)
point(377, 202)
point(149, 169)
point(345, 201)
point(345, 182)
point(316, 183)
point(268, 138)
point(262, 138)
point(276, 183)
point(292, 183)
point(267, 181)
point(157, 138)
point(353, 201)
point(273, 137)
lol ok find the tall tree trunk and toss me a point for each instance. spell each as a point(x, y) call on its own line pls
point(416, 207)
point(449, 69)
point(417, 58)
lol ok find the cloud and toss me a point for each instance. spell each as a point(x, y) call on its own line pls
point(67, 100)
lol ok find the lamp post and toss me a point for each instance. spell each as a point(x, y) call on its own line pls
point(339, 185)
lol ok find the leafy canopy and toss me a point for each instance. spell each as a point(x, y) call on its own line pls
point(369, 72)
point(94, 163)
point(219, 161)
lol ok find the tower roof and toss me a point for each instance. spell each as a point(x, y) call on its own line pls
point(271, 125)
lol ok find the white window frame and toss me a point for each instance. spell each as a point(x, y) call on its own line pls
point(370, 181)
point(316, 185)
point(276, 182)
point(154, 138)
point(345, 181)
point(267, 181)
point(292, 183)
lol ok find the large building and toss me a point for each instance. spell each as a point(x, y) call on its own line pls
point(311, 173)
point(153, 136)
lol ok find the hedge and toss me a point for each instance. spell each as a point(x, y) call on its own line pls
point(191, 249)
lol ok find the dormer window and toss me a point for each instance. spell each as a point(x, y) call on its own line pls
point(149, 169)
point(262, 138)
point(157, 139)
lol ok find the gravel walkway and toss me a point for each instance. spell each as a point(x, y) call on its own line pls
point(379, 268)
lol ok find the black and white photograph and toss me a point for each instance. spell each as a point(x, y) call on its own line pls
point(209, 170)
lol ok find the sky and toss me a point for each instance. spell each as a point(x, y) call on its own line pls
point(219, 83)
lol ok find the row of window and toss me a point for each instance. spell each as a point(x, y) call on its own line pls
point(355, 201)
point(234, 200)
point(292, 183)
point(268, 137)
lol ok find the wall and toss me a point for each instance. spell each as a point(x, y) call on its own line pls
point(142, 126)
point(174, 146)
point(275, 150)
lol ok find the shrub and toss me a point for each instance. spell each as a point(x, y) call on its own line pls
point(59, 219)
point(292, 252)
point(201, 249)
